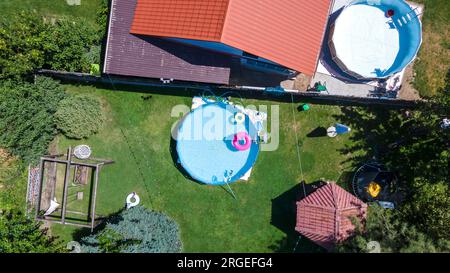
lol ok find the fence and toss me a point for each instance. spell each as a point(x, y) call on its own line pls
point(246, 91)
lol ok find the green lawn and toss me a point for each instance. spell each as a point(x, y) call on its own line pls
point(433, 62)
point(209, 218)
point(52, 8)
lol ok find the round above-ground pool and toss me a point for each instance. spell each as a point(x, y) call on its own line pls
point(204, 144)
point(375, 38)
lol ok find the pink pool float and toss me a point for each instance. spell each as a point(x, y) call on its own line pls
point(241, 141)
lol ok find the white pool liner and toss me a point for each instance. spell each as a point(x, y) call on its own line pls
point(394, 82)
point(246, 176)
point(364, 41)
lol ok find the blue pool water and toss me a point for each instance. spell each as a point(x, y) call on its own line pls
point(204, 145)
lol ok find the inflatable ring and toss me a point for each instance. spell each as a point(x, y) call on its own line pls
point(374, 189)
point(239, 118)
point(238, 138)
point(136, 198)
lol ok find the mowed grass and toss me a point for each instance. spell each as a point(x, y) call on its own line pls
point(137, 137)
point(52, 8)
point(433, 62)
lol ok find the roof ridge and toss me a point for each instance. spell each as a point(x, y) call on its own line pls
point(227, 10)
point(337, 219)
point(333, 193)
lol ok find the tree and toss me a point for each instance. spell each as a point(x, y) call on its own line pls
point(414, 144)
point(21, 44)
point(13, 186)
point(19, 234)
point(429, 209)
point(425, 162)
point(79, 116)
point(102, 18)
point(392, 234)
point(28, 42)
point(26, 116)
point(67, 43)
point(93, 55)
point(136, 230)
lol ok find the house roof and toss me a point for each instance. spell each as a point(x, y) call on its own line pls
point(191, 19)
point(325, 215)
point(288, 32)
point(152, 57)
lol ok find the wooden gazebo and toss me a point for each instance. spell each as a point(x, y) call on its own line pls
point(325, 216)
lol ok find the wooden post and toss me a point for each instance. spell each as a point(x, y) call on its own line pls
point(66, 177)
point(41, 182)
point(66, 161)
point(94, 198)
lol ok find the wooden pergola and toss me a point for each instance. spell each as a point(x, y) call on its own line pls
point(70, 160)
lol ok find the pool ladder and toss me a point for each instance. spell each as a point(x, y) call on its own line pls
point(405, 19)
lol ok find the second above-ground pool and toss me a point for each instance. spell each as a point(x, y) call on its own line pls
point(375, 38)
point(216, 144)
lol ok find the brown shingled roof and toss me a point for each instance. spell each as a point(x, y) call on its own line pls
point(151, 57)
point(325, 215)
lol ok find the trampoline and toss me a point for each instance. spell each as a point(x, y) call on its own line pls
point(372, 183)
point(373, 39)
point(204, 144)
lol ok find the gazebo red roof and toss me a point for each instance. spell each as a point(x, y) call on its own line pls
point(325, 215)
point(288, 32)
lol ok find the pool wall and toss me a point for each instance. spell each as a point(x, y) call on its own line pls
point(189, 160)
point(410, 34)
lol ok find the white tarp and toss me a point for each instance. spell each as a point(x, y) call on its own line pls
point(364, 41)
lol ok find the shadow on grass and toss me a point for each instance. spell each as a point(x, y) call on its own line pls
point(284, 215)
point(398, 139)
point(375, 128)
point(318, 132)
point(114, 218)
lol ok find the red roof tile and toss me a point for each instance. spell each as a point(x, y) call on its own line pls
point(190, 19)
point(288, 32)
point(325, 215)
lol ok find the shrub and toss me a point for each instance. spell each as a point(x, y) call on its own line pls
point(93, 55)
point(28, 42)
point(67, 43)
point(26, 117)
point(21, 44)
point(392, 234)
point(102, 18)
point(136, 230)
point(79, 116)
point(20, 234)
point(13, 184)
